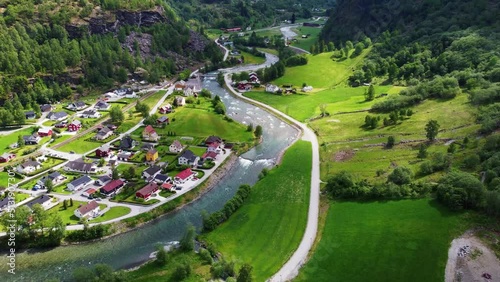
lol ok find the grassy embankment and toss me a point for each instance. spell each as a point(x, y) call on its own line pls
point(267, 229)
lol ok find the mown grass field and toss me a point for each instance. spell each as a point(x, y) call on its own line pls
point(153, 99)
point(112, 213)
point(384, 241)
point(68, 214)
point(251, 59)
point(267, 229)
point(306, 43)
point(6, 140)
point(81, 145)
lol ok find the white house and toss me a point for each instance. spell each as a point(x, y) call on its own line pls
point(151, 172)
point(175, 147)
point(79, 183)
point(90, 114)
point(76, 106)
point(213, 147)
point(180, 101)
point(307, 88)
point(271, 88)
point(29, 167)
point(188, 158)
point(89, 210)
point(45, 201)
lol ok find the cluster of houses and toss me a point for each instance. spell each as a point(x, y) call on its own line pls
point(191, 87)
point(285, 89)
point(121, 93)
point(247, 85)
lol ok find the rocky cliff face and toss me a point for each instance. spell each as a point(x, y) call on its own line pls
point(106, 22)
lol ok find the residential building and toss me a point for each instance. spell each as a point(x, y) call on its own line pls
point(127, 143)
point(146, 191)
point(151, 172)
point(307, 88)
point(112, 187)
point(74, 126)
point(213, 139)
point(55, 177)
point(89, 192)
point(61, 124)
point(162, 120)
point(147, 146)
point(167, 186)
point(103, 133)
point(43, 132)
point(102, 106)
point(103, 180)
point(181, 101)
point(5, 203)
point(31, 139)
point(165, 109)
point(253, 78)
point(76, 106)
point(150, 134)
point(161, 178)
point(6, 157)
point(30, 115)
point(179, 86)
point(271, 88)
point(46, 108)
point(176, 147)
point(214, 147)
point(89, 210)
point(45, 201)
point(125, 156)
point(188, 158)
point(184, 176)
point(209, 156)
point(57, 116)
point(80, 166)
point(103, 151)
point(29, 167)
point(152, 155)
point(90, 114)
point(79, 183)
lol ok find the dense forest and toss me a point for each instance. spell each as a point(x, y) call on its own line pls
point(438, 49)
point(48, 54)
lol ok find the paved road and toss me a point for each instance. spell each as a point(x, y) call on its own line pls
point(291, 268)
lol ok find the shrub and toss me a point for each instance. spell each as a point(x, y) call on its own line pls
point(400, 176)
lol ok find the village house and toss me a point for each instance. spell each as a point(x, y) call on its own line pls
point(127, 143)
point(61, 124)
point(103, 151)
point(149, 134)
point(55, 177)
point(162, 120)
point(146, 191)
point(43, 132)
point(253, 78)
point(112, 187)
point(176, 147)
point(80, 166)
point(209, 156)
point(31, 139)
point(57, 116)
point(152, 155)
point(271, 88)
point(212, 139)
point(30, 115)
point(76, 106)
point(74, 126)
point(188, 91)
point(89, 192)
point(307, 88)
point(161, 178)
point(103, 133)
point(29, 167)
point(46, 108)
point(103, 180)
point(180, 101)
point(147, 146)
point(6, 157)
point(244, 86)
point(90, 114)
point(179, 86)
point(214, 147)
point(89, 210)
point(79, 183)
point(125, 156)
point(168, 186)
point(45, 201)
point(188, 158)
point(102, 106)
point(14, 145)
point(165, 109)
point(184, 176)
point(151, 172)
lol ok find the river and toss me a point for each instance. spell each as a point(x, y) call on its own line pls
point(134, 247)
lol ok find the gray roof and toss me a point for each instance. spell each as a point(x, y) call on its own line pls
point(79, 165)
point(188, 154)
point(82, 180)
point(103, 131)
point(153, 170)
point(4, 202)
point(162, 119)
point(104, 178)
point(29, 113)
point(31, 163)
point(76, 122)
point(161, 177)
point(127, 142)
point(101, 104)
point(51, 176)
point(39, 200)
point(89, 112)
point(30, 138)
point(57, 115)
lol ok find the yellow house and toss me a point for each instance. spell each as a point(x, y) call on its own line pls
point(151, 155)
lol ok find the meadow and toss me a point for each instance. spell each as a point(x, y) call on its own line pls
point(312, 37)
point(267, 229)
point(6, 140)
point(251, 59)
point(404, 240)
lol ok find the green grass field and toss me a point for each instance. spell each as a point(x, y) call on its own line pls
point(68, 214)
point(384, 241)
point(112, 213)
point(251, 59)
point(153, 99)
point(306, 43)
point(6, 140)
point(81, 145)
point(267, 229)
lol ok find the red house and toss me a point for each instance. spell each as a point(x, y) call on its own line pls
point(6, 157)
point(112, 186)
point(103, 151)
point(162, 120)
point(234, 29)
point(43, 132)
point(165, 109)
point(147, 191)
point(75, 125)
point(184, 175)
point(167, 186)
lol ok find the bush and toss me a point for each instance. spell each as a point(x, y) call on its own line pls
point(471, 161)
point(460, 190)
point(400, 176)
point(206, 256)
point(182, 271)
point(390, 142)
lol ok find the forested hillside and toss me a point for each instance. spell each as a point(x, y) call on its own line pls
point(51, 49)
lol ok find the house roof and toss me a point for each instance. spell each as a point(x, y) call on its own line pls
point(4, 202)
point(162, 119)
point(30, 163)
point(152, 170)
point(180, 99)
point(103, 131)
point(51, 176)
point(212, 155)
point(188, 154)
point(114, 184)
point(176, 144)
point(90, 191)
point(149, 129)
point(127, 142)
point(124, 155)
point(89, 112)
point(101, 104)
point(148, 189)
point(79, 104)
point(148, 146)
point(167, 186)
point(80, 181)
point(76, 122)
point(104, 148)
point(184, 174)
point(44, 130)
point(7, 155)
point(212, 139)
point(79, 165)
point(214, 145)
point(33, 137)
point(46, 107)
point(29, 113)
point(152, 151)
point(90, 206)
point(161, 177)
point(57, 115)
point(104, 178)
point(40, 200)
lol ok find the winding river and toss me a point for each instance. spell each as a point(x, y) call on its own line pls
point(134, 247)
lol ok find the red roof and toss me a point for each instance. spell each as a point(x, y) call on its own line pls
point(184, 174)
point(149, 129)
point(90, 191)
point(113, 185)
point(147, 190)
point(88, 207)
point(212, 155)
point(167, 186)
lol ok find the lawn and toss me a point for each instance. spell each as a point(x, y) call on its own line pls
point(60, 139)
point(68, 215)
point(6, 140)
point(267, 229)
point(404, 240)
point(112, 213)
point(306, 43)
point(83, 144)
point(251, 59)
point(199, 151)
point(153, 99)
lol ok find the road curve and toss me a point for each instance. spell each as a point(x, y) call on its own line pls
point(291, 268)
